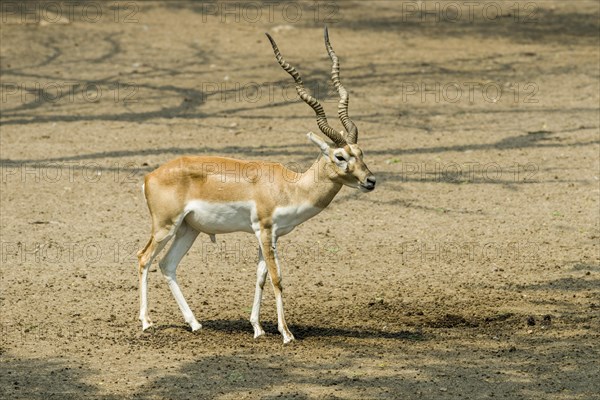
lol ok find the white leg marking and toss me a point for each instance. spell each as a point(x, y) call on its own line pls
point(146, 322)
point(168, 265)
point(261, 276)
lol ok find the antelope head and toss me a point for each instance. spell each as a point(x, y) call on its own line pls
point(344, 160)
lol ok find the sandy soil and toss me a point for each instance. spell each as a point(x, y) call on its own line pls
point(471, 272)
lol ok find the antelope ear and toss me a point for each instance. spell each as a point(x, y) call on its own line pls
point(319, 142)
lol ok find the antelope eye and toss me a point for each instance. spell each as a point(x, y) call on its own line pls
point(340, 157)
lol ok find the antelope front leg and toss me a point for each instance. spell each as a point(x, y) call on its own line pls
point(268, 246)
point(261, 276)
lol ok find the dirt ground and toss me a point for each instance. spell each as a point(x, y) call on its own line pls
point(472, 271)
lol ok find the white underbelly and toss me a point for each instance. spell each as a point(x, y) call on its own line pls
point(217, 218)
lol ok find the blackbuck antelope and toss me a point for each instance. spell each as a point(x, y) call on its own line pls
point(190, 195)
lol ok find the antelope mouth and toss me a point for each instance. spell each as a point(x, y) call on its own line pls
point(366, 188)
point(368, 185)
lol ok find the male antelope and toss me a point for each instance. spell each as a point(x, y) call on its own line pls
point(190, 195)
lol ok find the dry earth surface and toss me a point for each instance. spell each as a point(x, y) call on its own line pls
point(471, 272)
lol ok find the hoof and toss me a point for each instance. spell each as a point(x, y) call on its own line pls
point(258, 330)
point(196, 326)
point(146, 325)
point(288, 338)
point(258, 333)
